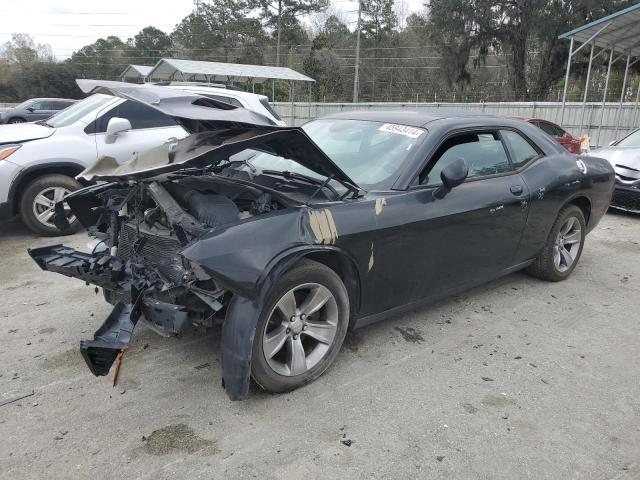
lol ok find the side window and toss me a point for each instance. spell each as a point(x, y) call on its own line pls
point(483, 152)
point(229, 100)
point(521, 150)
point(40, 105)
point(558, 132)
point(140, 116)
point(551, 129)
point(57, 105)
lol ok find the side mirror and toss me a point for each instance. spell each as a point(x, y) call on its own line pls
point(452, 175)
point(31, 109)
point(115, 127)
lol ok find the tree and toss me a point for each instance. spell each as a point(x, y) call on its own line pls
point(379, 20)
point(456, 29)
point(149, 45)
point(221, 26)
point(327, 69)
point(105, 58)
point(22, 50)
point(45, 79)
point(334, 34)
point(278, 13)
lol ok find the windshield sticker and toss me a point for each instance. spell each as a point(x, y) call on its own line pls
point(411, 132)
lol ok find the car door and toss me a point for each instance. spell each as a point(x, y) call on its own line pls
point(150, 128)
point(472, 234)
point(39, 110)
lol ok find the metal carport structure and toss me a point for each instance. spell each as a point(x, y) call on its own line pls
point(135, 72)
point(619, 35)
point(168, 69)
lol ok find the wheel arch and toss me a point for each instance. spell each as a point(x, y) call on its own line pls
point(29, 174)
point(332, 257)
point(345, 267)
point(584, 204)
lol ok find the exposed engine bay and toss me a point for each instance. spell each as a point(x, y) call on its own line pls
point(141, 228)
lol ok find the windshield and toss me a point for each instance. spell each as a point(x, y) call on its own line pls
point(370, 153)
point(25, 104)
point(78, 110)
point(632, 140)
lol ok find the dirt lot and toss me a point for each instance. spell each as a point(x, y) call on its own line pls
point(516, 379)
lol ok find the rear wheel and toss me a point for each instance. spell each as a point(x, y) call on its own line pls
point(562, 251)
point(37, 205)
point(301, 328)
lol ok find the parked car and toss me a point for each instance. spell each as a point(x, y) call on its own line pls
point(624, 156)
point(38, 161)
point(35, 109)
point(564, 138)
point(295, 235)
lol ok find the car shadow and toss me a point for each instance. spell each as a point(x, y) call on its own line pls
point(14, 229)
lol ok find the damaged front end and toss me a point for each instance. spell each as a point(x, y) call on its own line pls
point(142, 229)
point(185, 237)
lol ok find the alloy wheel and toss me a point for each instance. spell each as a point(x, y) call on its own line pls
point(567, 244)
point(300, 330)
point(44, 205)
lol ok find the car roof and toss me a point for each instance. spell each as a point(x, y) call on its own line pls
point(414, 118)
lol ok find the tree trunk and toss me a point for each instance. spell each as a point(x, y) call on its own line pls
point(519, 52)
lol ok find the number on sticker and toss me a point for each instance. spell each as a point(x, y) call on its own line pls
point(411, 132)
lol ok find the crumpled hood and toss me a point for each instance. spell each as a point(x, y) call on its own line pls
point(218, 130)
point(23, 132)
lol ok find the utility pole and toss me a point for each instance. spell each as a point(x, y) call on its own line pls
point(279, 35)
point(356, 78)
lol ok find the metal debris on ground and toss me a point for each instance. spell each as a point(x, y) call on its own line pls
point(118, 363)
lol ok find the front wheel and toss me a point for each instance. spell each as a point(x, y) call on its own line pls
point(562, 251)
point(38, 201)
point(16, 120)
point(301, 328)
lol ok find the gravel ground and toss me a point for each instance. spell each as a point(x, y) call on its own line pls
point(516, 379)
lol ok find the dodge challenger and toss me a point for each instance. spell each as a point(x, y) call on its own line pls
point(292, 236)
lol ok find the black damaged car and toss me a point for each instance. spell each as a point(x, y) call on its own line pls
point(292, 236)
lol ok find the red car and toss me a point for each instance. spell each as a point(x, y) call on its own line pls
point(568, 141)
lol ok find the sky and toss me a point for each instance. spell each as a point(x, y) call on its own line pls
point(68, 25)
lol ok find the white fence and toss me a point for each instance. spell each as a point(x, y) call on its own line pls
point(616, 121)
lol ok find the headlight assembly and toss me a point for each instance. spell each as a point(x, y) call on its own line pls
point(8, 150)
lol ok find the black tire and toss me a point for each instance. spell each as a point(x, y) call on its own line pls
point(16, 120)
point(304, 272)
point(33, 189)
point(544, 267)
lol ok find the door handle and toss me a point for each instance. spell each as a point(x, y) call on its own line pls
point(516, 189)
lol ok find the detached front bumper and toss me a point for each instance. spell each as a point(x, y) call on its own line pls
point(134, 290)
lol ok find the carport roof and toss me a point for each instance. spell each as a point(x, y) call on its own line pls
point(142, 70)
point(620, 31)
point(173, 69)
